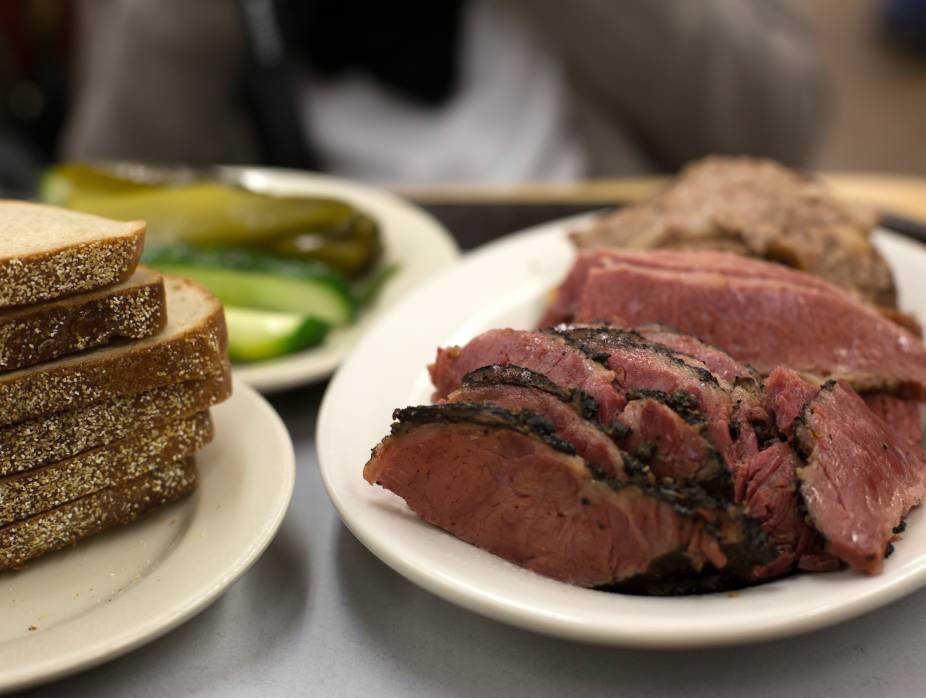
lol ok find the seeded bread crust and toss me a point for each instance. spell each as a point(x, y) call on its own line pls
point(52, 438)
point(186, 350)
point(35, 491)
point(134, 309)
point(114, 506)
point(67, 266)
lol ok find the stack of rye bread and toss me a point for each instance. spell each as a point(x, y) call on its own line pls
point(107, 373)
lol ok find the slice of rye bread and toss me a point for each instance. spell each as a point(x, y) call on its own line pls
point(44, 440)
point(132, 309)
point(114, 506)
point(35, 491)
point(193, 345)
point(47, 252)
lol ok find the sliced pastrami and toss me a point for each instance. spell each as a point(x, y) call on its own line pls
point(658, 438)
point(649, 370)
point(554, 405)
point(671, 447)
point(771, 496)
point(487, 478)
point(563, 364)
point(566, 304)
point(860, 480)
point(786, 393)
point(743, 382)
point(901, 416)
point(717, 361)
point(766, 323)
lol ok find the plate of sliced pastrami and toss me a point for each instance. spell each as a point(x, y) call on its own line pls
point(617, 477)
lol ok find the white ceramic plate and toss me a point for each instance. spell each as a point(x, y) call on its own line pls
point(504, 284)
point(413, 239)
point(77, 608)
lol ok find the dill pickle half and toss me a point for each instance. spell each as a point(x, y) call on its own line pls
point(208, 212)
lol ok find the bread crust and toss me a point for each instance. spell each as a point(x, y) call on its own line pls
point(47, 439)
point(134, 309)
point(190, 353)
point(102, 510)
point(35, 491)
point(71, 269)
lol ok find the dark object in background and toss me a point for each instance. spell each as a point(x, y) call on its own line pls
point(34, 48)
point(905, 23)
point(384, 40)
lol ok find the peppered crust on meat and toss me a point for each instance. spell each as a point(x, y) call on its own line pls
point(192, 346)
point(35, 491)
point(54, 437)
point(48, 252)
point(133, 309)
point(110, 507)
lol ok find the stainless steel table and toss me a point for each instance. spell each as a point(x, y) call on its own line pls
point(319, 615)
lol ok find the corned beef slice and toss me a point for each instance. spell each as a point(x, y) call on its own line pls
point(494, 480)
point(770, 494)
point(642, 369)
point(670, 446)
point(901, 416)
point(589, 440)
point(562, 364)
point(566, 305)
point(786, 393)
point(717, 361)
point(654, 433)
point(861, 478)
point(766, 323)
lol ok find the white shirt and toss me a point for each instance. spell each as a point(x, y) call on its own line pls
point(507, 121)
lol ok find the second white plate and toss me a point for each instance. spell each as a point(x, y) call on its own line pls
point(505, 284)
point(77, 608)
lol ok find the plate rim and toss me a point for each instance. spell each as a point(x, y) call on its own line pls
point(442, 583)
point(178, 611)
point(275, 375)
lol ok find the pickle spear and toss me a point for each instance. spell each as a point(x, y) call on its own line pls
point(207, 213)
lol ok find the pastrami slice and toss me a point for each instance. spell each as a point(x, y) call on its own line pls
point(516, 494)
point(786, 394)
point(860, 480)
point(765, 323)
point(546, 354)
point(644, 369)
point(589, 440)
point(566, 304)
point(716, 360)
point(903, 417)
point(771, 497)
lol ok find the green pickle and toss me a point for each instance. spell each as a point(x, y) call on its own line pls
point(208, 213)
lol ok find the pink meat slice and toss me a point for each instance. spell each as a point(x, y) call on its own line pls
point(786, 393)
point(771, 484)
point(566, 304)
point(672, 447)
point(515, 496)
point(590, 442)
point(861, 478)
point(901, 416)
point(638, 367)
point(542, 353)
point(717, 361)
point(765, 323)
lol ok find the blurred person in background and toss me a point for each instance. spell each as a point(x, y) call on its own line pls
point(451, 91)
